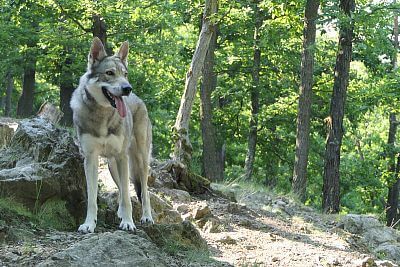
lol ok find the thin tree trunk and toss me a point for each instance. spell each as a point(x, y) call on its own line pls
point(211, 160)
point(9, 90)
point(183, 147)
point(395, 38)
point(25, 102)
point(254, 94)
point(394, 181)
point(299, 184)
point(66, 89)
point(331, 190)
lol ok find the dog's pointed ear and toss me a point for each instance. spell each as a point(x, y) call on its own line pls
point(123, 52)
point(97, 51)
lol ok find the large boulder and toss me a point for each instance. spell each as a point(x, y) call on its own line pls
point(42, 162)
point(381, 239)
point(110, 249)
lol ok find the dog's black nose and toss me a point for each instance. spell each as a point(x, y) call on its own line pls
point(126, 89)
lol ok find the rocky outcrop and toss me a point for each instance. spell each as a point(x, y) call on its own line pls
point(380, 239)
point(110, 249)
point(42, 162)
point(180, 235)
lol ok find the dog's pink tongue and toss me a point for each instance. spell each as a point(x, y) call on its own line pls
point(120, 106)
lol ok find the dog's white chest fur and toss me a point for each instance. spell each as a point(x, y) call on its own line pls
point(109, 146)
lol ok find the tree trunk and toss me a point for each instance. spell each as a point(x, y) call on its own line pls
point(254, 94)
point(9, 89)
point(331, 190)
point(299, 184)
point(183, 148)
point(211, 162)
point(66, 90)
point(99, 29)
point(25, 102)
point(394, 181)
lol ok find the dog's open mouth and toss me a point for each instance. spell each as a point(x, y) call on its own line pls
point(115, 101)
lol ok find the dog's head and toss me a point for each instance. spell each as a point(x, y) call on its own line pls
point(108, 76)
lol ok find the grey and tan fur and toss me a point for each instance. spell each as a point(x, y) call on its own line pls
point(112, 122)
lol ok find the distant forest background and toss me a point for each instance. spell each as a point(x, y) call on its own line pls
point(319, 74)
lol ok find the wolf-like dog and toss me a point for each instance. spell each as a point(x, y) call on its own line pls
point(113, 122)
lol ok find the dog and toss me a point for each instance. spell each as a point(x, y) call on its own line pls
point(112, 122)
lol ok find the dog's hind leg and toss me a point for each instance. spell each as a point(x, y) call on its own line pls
point(139, 153)
point(113, 168)
point(91, 167)
point(125, 204)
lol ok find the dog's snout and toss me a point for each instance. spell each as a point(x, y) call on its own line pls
point(126, 89)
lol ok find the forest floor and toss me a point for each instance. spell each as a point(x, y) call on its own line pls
point(271, 230)
point(259, 228)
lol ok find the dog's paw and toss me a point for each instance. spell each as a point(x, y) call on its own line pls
point(86, 228)
point(146, 219)
point(127, 225)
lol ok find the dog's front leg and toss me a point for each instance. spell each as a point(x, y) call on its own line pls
point(125, 204)
point(91, 168)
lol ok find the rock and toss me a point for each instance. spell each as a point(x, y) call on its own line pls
point(379, 238)
point(235, 208)
point(386, 263)
point(162, 211)
point(280, 202)
point(43, 162)
point(224, 191)
point(391, 251)
point(182, 235)
point(212, 225)
point(202, 211)
point(227, 240)
point(370, 262)
point(177, 195)
point(7, 130)
point(110, 249)
point(357, 224)
point(379, 235)
point(183, 208)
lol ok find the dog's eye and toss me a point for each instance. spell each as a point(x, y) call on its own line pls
point(110, 72)
point(126, 74)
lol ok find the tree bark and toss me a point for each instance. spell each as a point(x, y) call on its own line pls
point(211, 159)
point(331, 190)
point(183, 148)
point(9, 89)
point(394, 181)
point(299, 184)
point(99, 29)
point(254, 94)
point(66, 90)
point(25, 102)
point(392, 203)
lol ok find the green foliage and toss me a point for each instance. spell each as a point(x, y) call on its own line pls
point(52, 214)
